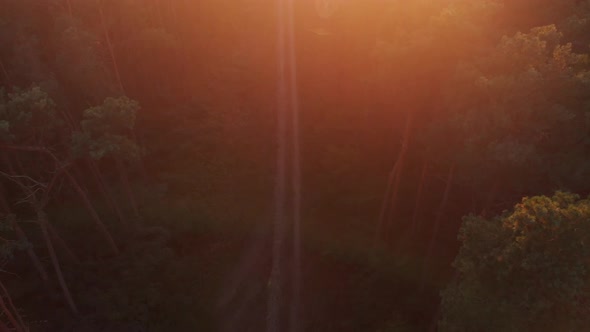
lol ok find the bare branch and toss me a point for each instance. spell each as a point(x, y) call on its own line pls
point(27, 199)
point(25, 177)
point(29, 148)
point(11, 273)
point(11, 178)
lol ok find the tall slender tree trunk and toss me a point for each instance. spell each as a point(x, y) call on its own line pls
point(129, 192)
point(141, 165)
point(86, 201)
point(42, 218)
point(105, 191)
point(491, 197)
point(97, 174)
point(418, 205)
point(21, 235)
point(64, 246)
point(295, 324)
point(99, 224)
point(275, 287)
point(391, 193)
point(110, 47)
point(16, 326)
point(384, 204)
point(10, 310)
point(31, 253)
point(410, 231)
point(438, 218)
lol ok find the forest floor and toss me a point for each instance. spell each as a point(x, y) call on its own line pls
point(211, 274)
point(341, 291)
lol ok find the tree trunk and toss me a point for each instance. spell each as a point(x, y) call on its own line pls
point(23, 237)
point(105, 191)
point(393, 184)
point(110, 47)
point(141, 165)
point(42, 218)
point(384, 205)
point(98, 177)
point(490, 199)
point(3, 327)
point(274, 287)
point(129, 192)
point(437, 220)
point(17, 325)
point(64, 246)
point(295, 324)
point(389, 222)
point(99, 224)
point(418, 205)
point(31, 253)
point(410, 231)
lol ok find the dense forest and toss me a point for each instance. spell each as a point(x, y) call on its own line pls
point(295, 165)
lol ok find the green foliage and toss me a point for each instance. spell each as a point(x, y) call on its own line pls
point(27, 115)
point(520, 112)
point(106, 130)
point(527, 270)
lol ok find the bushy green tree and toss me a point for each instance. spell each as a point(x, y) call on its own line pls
point(28, 116)
point(520, 115)
point(107, 129)
point(527, 270)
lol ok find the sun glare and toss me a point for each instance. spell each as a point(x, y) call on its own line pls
point(326, 8)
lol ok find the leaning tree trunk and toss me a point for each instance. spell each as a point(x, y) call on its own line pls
point(96, 173)
point(105, 191)
point(418, 205)
point(31, 253)
point(99, 224)
point(42, 218)
point(437, 221)
point(62, 243)
point(411, 230)
point(23, 237)
point(116, 69)
point(16, 322)
point(391, 193)
point(129, 192)
point(384, 205)
point(490, 199)
point(110, 47)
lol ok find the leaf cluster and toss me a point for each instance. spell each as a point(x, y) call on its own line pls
point(525, 270)
point(106, 130)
